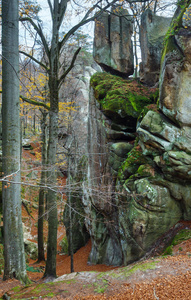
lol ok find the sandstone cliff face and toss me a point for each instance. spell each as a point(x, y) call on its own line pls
point(152, 32)
point(151, 191)
point(175, 96)
point(137, 189)
point(115, 105)
point(113, 49)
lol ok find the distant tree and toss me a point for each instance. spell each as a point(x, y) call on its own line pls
point(14, 255)
point(57, 76)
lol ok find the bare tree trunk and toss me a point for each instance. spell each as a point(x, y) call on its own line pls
point(34, 123)
point(71, 252)
point(42, 191)
point(14, 255)
point(155, 7)
point(52, 173)
point(135, 51)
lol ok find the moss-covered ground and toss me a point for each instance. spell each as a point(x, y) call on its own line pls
point(181, 236)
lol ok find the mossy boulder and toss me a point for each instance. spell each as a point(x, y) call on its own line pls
point(31, 249)
point(121, 100)
point(118, 153)
point(151, 212)
point(130, 166)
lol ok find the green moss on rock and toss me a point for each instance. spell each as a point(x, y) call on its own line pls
point(117, 95)
point(169, 42)
point(182, 235)
point(131, 164)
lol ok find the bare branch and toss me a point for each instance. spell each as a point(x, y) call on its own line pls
point(70, 67)
point(38, 29)
point(34, 102)
point(62, 10)
point(35, 60)
point(85, 20)
point(51, 9)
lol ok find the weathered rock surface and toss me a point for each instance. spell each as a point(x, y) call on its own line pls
point(113, 49)
point(152, 32)
point(156, 189)
point(31, 248)
point(114, 110)
point(175, 96)
point(137, 189)
point(76, 92)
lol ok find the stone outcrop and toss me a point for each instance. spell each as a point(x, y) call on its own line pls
point(115, 105)
point(175, 96)
point(136, 189)
point(113, 49)
point(152, 32)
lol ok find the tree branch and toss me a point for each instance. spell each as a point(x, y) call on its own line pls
point(38, 29)
point(34, 102)
point(85, 20)
point(51, 9)
point(34, 59)
point(69, 68)
point(62, 10)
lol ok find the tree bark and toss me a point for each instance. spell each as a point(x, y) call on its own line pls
point(52, 149)
point(14, 255)
point(42, 191)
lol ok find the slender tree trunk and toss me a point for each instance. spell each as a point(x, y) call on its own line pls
point(71, 252)
point(34, 123)
point(42, 191)
point(14, 255)
point(135, 51)
point(52, 174)
point(52, 146)
point(51, 197)
point(155, 7)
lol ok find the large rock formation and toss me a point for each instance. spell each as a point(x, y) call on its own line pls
point(113, 110)
point(113, 49)
point(136, 190)
point(175, 96)
point(152, 32)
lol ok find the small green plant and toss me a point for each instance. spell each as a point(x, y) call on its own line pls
point(168, 251)
point(50, 295)
point(101, 286)
point(181, 236)
point(16, 289)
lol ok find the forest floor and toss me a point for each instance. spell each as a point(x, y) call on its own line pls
point(160, 277)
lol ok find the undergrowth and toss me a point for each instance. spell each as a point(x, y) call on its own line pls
point(182, 235)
